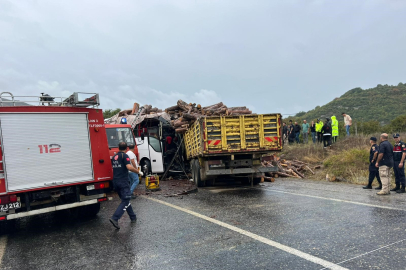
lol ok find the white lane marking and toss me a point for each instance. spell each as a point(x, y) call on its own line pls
point(3, 244)
point(369, 252)
point(336, 200)
point(308, 257)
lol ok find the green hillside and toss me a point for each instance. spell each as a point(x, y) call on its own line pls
point(382, 103)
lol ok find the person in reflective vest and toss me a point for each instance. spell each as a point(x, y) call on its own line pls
point(319, 127)
point(334, 128)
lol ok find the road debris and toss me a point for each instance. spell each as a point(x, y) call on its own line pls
point(286, 168)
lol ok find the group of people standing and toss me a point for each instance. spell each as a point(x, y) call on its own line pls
point(326, 132)
point(384, 157)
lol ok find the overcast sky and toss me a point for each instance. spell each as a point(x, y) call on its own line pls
point(273, 56)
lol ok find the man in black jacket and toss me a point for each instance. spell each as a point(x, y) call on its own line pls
point(297, 129)
point(373, 171)
point(285, 132)
point(326, 129)
point(399, 154)
point(291, 132)
point(385, 163)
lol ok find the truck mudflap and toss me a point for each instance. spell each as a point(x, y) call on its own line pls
point(241, 171)
point(95, 199)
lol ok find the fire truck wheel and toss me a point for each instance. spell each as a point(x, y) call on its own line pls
point(90, 210)
point(7, 226)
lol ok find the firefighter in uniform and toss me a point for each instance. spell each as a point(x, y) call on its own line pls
point(121, 165)
point(373, 171)
point(399, 153)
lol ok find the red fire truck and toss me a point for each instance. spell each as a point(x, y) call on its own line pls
point(120, 133)
point(54, 156)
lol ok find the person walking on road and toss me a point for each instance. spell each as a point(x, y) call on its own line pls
point(319, 127)
point(373, 171)
point(326, 129)
point(306, 131)
point(347, 123)
point(399, 153)
point(384, 163)
point(313, 131)
point(133, 177)
point(121, 165)
point(334, 128)
point(297, 129)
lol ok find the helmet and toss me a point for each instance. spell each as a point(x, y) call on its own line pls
point(123, 121)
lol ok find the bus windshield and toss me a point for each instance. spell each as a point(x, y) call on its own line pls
point(117, 135)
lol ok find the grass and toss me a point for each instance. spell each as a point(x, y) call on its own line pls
point(347, 159)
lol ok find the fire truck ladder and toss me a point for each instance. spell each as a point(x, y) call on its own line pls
point(137, 115)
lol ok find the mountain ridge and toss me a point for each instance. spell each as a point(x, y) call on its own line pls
point(382, 103)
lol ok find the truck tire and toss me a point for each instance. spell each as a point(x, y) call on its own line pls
point(196, 174)
point(90, 210)
point(210, 182)
point(84, 211)
point(257, 181)
point(7, 226)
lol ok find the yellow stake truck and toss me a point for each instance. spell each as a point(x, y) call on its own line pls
point(232, 146)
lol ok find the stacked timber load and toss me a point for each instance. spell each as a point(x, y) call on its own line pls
point(184, 114)
point(286, 168)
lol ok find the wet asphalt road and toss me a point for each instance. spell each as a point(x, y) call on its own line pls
point(339, 223)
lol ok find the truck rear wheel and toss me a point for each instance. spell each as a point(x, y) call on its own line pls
point(196, 173)
point(84, 211)
point(257, 181)
point(90, 210)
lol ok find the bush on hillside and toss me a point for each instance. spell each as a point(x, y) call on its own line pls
point(348, 163)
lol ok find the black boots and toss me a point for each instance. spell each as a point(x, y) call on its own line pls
point(367, 187)
point(396, 188)
point(401, 190)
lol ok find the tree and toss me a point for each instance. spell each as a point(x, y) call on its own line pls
point(299, 114)
point(110, 112)
point(397, 125)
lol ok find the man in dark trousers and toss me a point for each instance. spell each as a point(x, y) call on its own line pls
point(385, 163)
point(121, 165)
point(326, 129)
point(297, 129)
point(399, 153)
point(291, 130)
point(373, 171)
point(285, 132)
